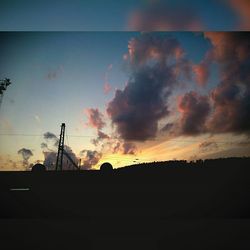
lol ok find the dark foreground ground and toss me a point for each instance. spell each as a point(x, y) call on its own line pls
point(174, 206)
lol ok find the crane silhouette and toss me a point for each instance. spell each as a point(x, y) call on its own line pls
point(61, 151)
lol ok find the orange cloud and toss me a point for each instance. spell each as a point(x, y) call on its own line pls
point(242, 7)
point(201, 72)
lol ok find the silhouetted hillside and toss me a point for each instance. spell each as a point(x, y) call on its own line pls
point(218, 163)
point(203, 189)
point(146, 206)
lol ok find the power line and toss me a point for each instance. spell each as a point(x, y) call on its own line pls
point(93, 136)
point(3, 134)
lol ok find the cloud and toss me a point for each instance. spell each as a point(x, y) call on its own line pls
point(51, 139)
point(202, 73)
point(129, 148)
point(114, 145)
point(226, 109)
point(91, 158)
point(153, 47)
point(156, 62)
point(231, 97)
point(136, 109)
point(208, 146)
point(95, 118)
point(229, 47)
point(107, 87)
point(165, 16)
point(117, 146)
point(6, 164)
point(242, 8)
point(202, 70)
point(194, 109)
point(26, 154)
point(50, 136)
point(50, 159)
point(167, 127)
point(101, 136)
point(44, 145)
point(245, 143)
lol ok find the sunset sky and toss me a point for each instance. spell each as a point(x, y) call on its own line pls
point(126, 97)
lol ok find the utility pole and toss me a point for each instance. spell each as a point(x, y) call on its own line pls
point(59, 160)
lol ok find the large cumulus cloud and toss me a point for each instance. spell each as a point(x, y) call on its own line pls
point(226, 109)
point(156, 62)
point(231, 98)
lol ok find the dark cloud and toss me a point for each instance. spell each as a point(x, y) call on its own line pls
point(231, 98)
point(194, 109)
point(167, 127)
point(49, 136)
point(156, 62)
point(26, 154)
point(227, 108)
point(164, 15)
point(100, 137)
point(51, 141)
point(91, 158)
point(119, 146)
point(44, 145)
point(95, 118)
point(129, 148)
point(113, 144)
point(136, 109)
point(208, 146)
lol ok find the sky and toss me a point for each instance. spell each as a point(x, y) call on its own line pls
point(124, 15)
point(126, 97)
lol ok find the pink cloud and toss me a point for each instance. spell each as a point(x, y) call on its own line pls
point(107, 87)
point(202, 73)
point(95, 118)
